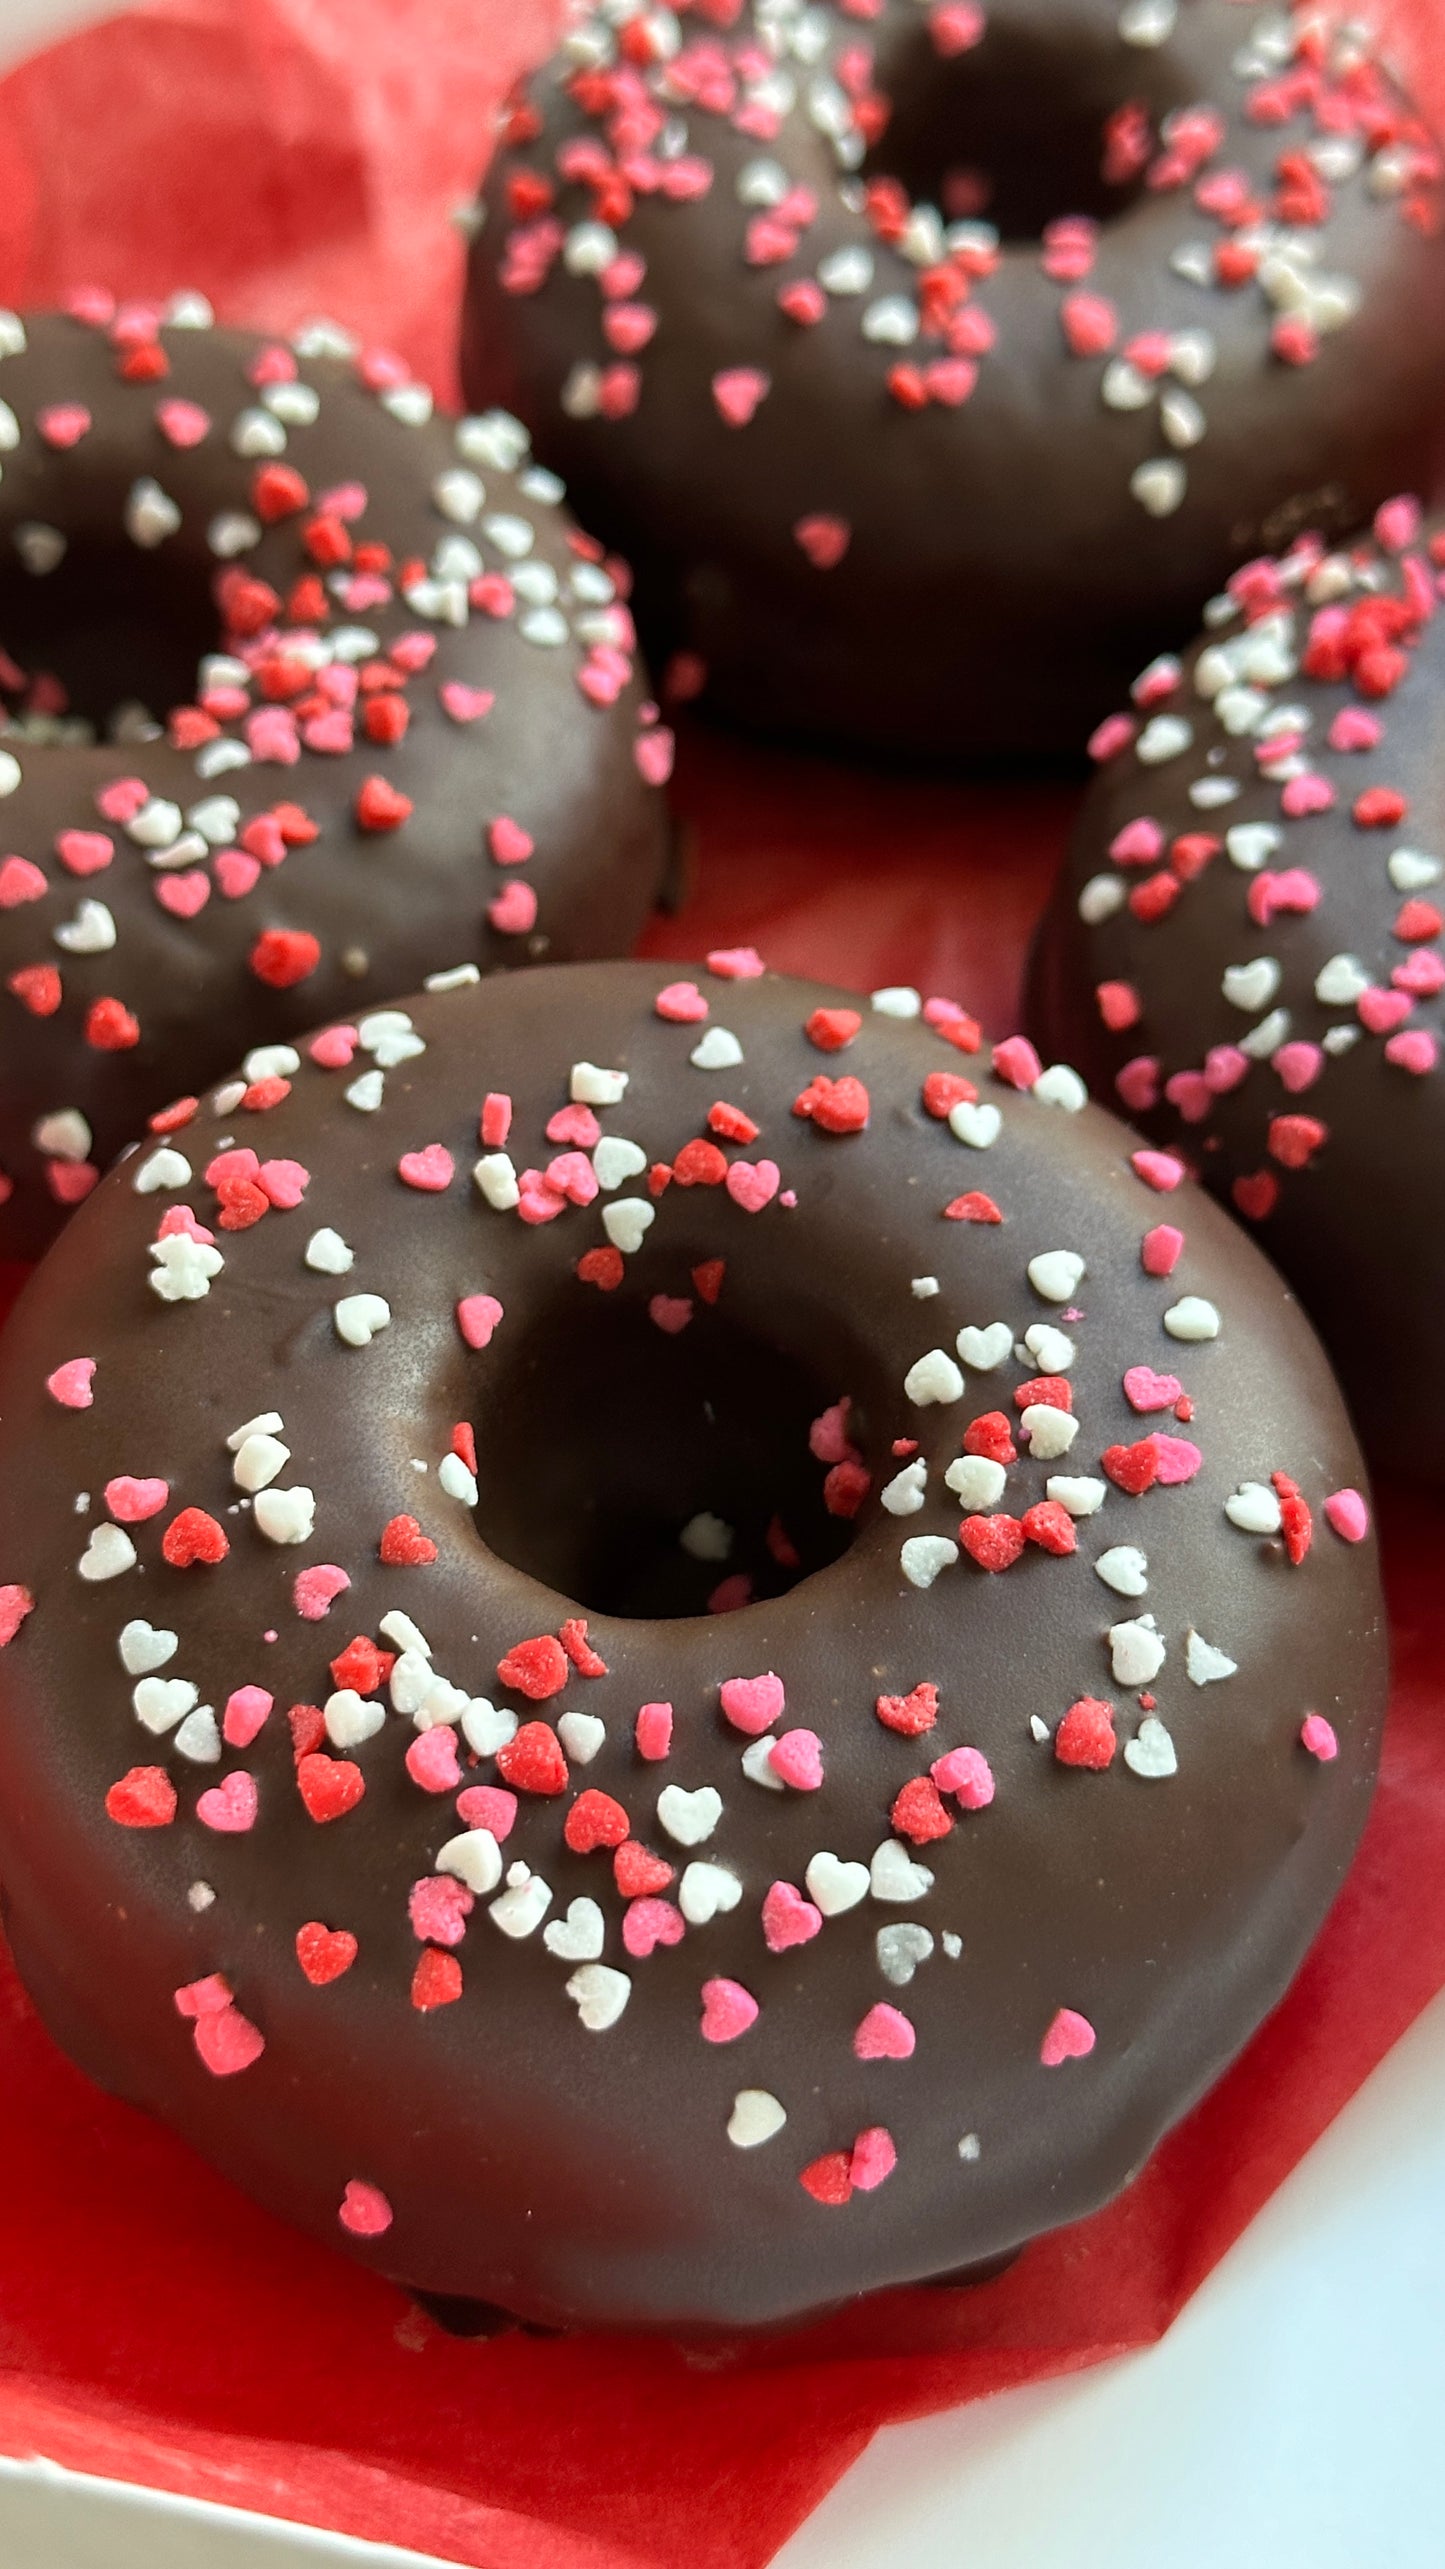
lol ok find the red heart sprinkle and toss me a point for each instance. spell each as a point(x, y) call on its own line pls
point(1085, 1736)
point(436, 1981)
point(910, 1715)
point(829, 2179)
point(637, 1872)
point(329, 1786)
point(1134, 1468)
point(379, 806)
point(994, 1542)
point(144, 1798)
point(281, 957)
point(992, 1437)
point(595, 1820)
point(918, 1813)
point(1048, 1524)
point(403, 1545)
point(536, 1669)
point(533, 1761)
point(324, 1953)
point(193, 1536)
point(227, 2041)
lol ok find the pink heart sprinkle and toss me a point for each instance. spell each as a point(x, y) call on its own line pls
point(131, 1502)
point(1304, 795)
point(1318, 1736)
point(600, 681)
point(1224, 1067)
point(575, 1124)
point(122, 798)
point(1190, 1093)
point(346, 500)
point(670, 1312)
point(20, 881)
point(1091, 324)
point(465, 704)
point(71, 1383)
point(1070, 2037)
point(1161, 1249)
point(330, 734)
point(365, 2211)
point(84, 851)
point(1298, 1065)
point(752, 1704)
point(413, 651)
point(333, 1049)
point(236, 874)
point(439, 1907)
point(1110, 736)
point(727, 2010)
point(1348, 1515)
point(655, 752)
point(681, 1003)
point(753, 1183)
point(1146, 1390)
point(183, 423)
point(885, 2034)
point(737, 392)
point(477, 1316)
point(797, 1758)
point(649, 1923)
point(514, 910)
point(789, 1919)
point(1381, 1010)
point(1178, 1459)
point(1353, 728)
point(1415, 1050)
point(1158, 1169)
point(508, 841)
point(314, 1592)
point(63, 424)
point(283, 1182)
point(872, 2158)
point(488, 1806)
point(430, 1171)
point(652, 1732)
point(183, 894)
point(271, 735)
point(966, 1773)
point(70, 1181)
point(432, 1762)
point(1138, 1084)
point(627, 327)
point(227, 2041)
point(230, 1806)
point(824, 540)
point(245, 1713)
point(203, 1997)
point(573, 1175)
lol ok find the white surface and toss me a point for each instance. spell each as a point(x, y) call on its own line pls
point(1291, 2420)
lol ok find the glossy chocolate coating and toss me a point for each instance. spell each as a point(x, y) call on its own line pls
point(1002, 580)
point(581, 2177)
point(1359, 1225)
point(117, 615)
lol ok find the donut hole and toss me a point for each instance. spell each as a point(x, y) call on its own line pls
point(641, 1468)
point(109, 637)
point(1013, 133)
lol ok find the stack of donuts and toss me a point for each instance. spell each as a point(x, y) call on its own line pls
point(677, 1644)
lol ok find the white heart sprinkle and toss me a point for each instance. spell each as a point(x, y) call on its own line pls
point(1055, 1274)
point(978, 1126)
point(164, 1168)
point(757, 1766)
point(1341, 981)
point(615, 1160)
point(933, 1378)
point(258, 1460)
point(1061, 1086)
point(590, 1086)
point(580, 1936)
point(1159, 486)
point(1166, 737)
point(271, 1061)
point(900, 1950)
point(706, 1537)
point(109, 1552)
point(756, 2117)
point(925, 1556)
point(985, 1348)
point(475, 1858)
point(1151, 1754)
point(1125, 1569)
point(689, 1818)
point(581, 1735)
point(1081, 1495)
point(351, 1718)
point(599, 1994)
point(198, 1738)
point(523, 1905)
point(366, 1092)
point(907, 1492)
point(1137, 1651)
point(358, 1317)
point(286, 1516)
point(1205, 1664)
point(327, 1254)
point(716, 1050)
point(144, 1646)
point(1050, 1431)
point(457, 1480)
point(893, 1875)
point(495, 1179)
point(1254, 1508)
point(1251, 986)
point(976, 1480)
point(628, 1221)
point(1251, 844)
point(707, 1891)
point(835, 1885)
point(1194, 1320)
point(161, 1702)
point(1050, 1348)
point(91, 931)
point(1103, 896)
point(488, 1727)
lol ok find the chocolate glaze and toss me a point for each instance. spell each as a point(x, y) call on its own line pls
point(1359, 1224)
point(574, 2176)
point(1001, 580)
point(119, 618)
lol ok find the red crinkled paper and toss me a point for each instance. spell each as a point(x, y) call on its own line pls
point(289, 156)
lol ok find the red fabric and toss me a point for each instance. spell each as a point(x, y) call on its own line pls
point(290, 155)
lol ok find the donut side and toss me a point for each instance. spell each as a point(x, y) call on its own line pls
point(414, 741)
point(711, 1661)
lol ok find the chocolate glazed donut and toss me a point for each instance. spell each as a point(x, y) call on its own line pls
point(932, 363)
point(1244, 951)
point(413, 741)
point(729, 1695)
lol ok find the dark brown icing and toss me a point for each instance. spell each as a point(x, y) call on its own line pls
point(1291, 1051)
point(1003, 572)
point(499, 2148)
point(158, 453)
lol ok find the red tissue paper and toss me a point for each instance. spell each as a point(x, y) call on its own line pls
point(295, 156)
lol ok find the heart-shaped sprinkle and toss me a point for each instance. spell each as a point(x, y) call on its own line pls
point(798, 1759)
point(227, 2041)
point(689, 1818)
point(752, 1184)
point(579, 1936)
point(364, 2211)
point(1348, 1514)
point(756, 2117)
point(315, 1591)
point(183, 895)
point(824, 540)
point(324, 1953)
point(430, 1171)
point(737, 391)
point(1151, 1753)
point(835, 1886)
point(230, 1806)
point(1070, 2037)
point(900, 1950)
point(329, 1786)
point(404, 1546)
point(1145, 1390)
point(884, 2035)
point(893, 1875)
point(144, 1798)
point(727, 2011)
point(994, 1542)
point(465, 704)
point(513, 911)
point(71, 1383)
point(108, 1553)
point(599, 1995)
point(788, 1919)
point(752, 1704)
point(649, 1923)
